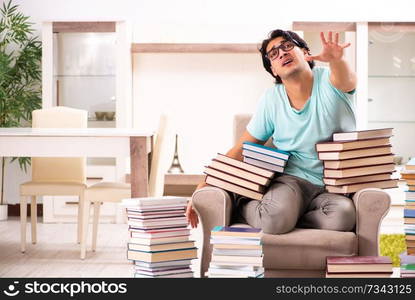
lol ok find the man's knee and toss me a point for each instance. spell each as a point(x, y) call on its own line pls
point(339, 213)
point(278, 221)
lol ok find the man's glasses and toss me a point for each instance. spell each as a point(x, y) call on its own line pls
point(284, 46)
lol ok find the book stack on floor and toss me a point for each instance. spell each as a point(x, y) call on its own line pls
point(407, 269)
point(408, 174)
point(265, 157)
point(358, 160)
point(237, 252)
point(238, 177)
point(358, 266)
point(159, 242)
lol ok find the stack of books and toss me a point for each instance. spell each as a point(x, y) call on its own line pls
point(407, 269)
point(237, 252)
point(159, 242)
point(238, 177)
point(358, 160)
point(265, 157)
point(358, 266)
point(408, 174)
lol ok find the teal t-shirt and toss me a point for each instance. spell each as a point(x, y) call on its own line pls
point(328, 110)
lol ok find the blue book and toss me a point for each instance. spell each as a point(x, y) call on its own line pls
point(266, 150)
point(409, 213)
point(264, 157)
point(236, 231)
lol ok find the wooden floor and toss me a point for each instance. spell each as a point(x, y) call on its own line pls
point(56, 253)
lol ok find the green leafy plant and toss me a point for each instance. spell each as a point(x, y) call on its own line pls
point(20, 74)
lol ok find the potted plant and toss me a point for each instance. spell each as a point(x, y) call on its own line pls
point(20, 78)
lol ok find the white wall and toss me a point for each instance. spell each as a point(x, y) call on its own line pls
point(201, 93)
point(214, 20)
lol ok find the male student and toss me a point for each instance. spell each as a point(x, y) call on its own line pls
point(306, 106)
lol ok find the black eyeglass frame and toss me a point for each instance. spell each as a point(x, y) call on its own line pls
point(280, 46)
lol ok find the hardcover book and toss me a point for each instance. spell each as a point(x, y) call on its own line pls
point(349, 145)
point(263, 164)
point(244, 166)
point(352, 188)
point(236, 231)
point(357, 264)
point(220, 166)
point(234, 179)
point(348, 154)
point(363, 134)
point(264, 157)
point(266, 150)
point(359, 162)
point(357, 179)
point(359, 171)
point(233, 188)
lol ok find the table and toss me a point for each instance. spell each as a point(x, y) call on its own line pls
point(83, 142)
point(181, 184)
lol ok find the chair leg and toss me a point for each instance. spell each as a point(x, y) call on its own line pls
point(23, 221)
point(80, 213)
point(97, 206)
point(85, 203)
point(33, 218)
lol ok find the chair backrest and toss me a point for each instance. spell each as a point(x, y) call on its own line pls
point(59, 169)
point(240, 122)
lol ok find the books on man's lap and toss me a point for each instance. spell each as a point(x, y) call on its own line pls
point(358, 160)
point(250, 177)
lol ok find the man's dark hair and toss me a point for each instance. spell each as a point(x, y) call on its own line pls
point(287, 35)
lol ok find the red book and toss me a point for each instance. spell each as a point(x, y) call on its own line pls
point(359, 264)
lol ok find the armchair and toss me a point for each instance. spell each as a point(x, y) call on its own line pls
point(301, 252)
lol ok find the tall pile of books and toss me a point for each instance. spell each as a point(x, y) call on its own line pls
point(238, 177)
point(358, 266)
point(357, 160)
point(159, 242)
point(407, 269)
point(408, 174)
point(265, 157)
point(237, 252)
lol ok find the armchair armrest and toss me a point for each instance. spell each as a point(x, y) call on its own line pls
point(214, 207)
point(372, 205)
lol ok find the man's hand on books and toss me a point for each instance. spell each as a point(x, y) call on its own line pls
point(332, 50)
point(191, 215)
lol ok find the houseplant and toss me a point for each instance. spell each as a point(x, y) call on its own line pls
point(20, 77)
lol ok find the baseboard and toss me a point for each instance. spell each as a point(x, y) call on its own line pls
point(14, 210)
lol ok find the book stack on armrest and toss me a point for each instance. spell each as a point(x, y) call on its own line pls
point(238, 177)
point(358, 160)
point(265, 157)
point(358, 266)
point(237, 252)
point(408, 174)
point(159, 242)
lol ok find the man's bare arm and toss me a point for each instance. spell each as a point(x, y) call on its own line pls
point(341, 76)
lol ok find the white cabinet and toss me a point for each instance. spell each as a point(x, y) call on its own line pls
point(64, 209)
